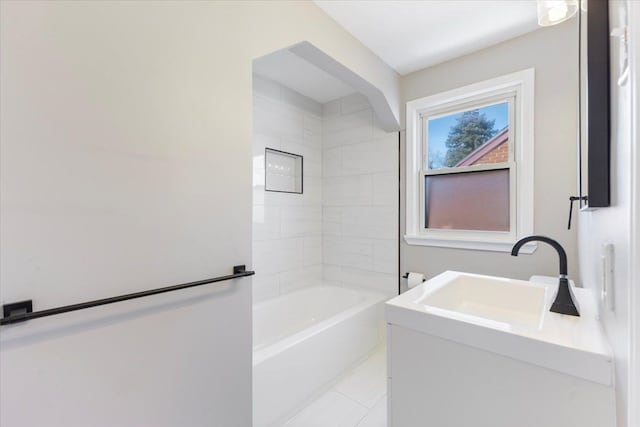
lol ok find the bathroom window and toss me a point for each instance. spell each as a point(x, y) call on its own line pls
point(470, 165)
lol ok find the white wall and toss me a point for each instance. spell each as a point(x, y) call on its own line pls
point(634, 288)
point(126, 164)
point(613, 225)
point(552, 52)
point(287, 228)
point(359, 197)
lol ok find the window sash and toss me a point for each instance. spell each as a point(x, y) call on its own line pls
point(454, 108)
point(460, 234)
point(520, 83)
point(487, 101)
point(468, 103)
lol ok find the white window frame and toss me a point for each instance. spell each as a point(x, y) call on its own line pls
point(517, 86)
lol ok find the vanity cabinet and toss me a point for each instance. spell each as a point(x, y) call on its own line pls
point(467, 350)
point(434, 382)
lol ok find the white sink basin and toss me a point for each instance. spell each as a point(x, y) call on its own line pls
point(508, 317)
point(490, 298)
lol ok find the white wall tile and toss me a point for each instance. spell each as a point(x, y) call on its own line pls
point(356, 190)
point(266, 222)
point(300, 221)
point(312, 250)
point(331, 108)
point(297, 278)
point(376, 222)
point(331, 273)
point(258, 194)
point(343, 228)
point(272, 90)
point(332, 191)
point(332, 221)
point(266, 88)
point(293, 98)
point(385, 189)
point(373, 156)
point(313, 123)
point(332, 250)
point(274, 256)
point(275, 119)
point(312, 156)
point(287, 228)
point(312, 191)
point(260, 142)
point(332, 162)
point(357, 253)
point(265, 286)
point(311, 196)
point(348, 122)
point(354, 102)
point(312, 139)
point(385, 256)
point(348, 190)
point(360, 197)
point(347, 129)
point(382, 282)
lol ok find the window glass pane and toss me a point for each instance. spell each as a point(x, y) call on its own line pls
point(468, 201)
point(472, 137)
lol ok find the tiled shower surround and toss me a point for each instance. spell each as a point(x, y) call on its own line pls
point(343, 229)
point(359, 197)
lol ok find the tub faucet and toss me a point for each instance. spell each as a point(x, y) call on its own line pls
point(564, 302)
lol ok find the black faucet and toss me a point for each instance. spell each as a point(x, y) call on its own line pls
point(564, 302)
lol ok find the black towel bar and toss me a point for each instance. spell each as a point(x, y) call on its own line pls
point(21, 311)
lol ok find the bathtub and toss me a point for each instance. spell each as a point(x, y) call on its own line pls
point(304, 340)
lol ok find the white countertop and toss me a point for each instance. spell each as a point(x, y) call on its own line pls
point(572, 345)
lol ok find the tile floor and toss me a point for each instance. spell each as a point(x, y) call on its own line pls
point(358, 399)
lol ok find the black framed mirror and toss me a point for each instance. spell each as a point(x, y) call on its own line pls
point(594, 119)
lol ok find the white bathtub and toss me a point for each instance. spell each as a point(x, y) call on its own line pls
point(304, 340)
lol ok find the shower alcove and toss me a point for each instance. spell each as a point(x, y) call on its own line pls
point(325, 225)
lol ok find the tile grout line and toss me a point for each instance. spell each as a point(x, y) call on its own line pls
point(353, 401)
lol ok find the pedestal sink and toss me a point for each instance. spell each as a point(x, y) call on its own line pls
point(492, 341)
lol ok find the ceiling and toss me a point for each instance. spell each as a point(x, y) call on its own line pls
point(292, 71)
point(411, 35)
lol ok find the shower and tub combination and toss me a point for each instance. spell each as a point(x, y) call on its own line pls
point(325, 232)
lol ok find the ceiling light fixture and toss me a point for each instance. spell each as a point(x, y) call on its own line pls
point(552, 12)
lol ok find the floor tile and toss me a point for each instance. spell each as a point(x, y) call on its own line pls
point(367, 383)
point(332, 409)
point(377, 416)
